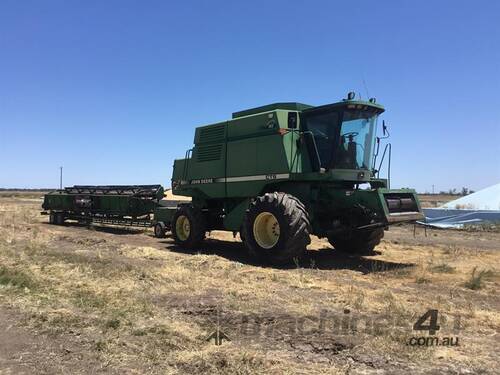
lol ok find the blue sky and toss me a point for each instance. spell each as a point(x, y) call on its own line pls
point(112, 90)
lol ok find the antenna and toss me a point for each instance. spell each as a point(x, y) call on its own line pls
point(366, 87)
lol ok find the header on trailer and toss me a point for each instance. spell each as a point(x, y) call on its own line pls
point(145, 191)
point(111, 204)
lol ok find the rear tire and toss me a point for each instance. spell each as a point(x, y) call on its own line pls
point(276, 228)
point(52, 218)
point(160, 230)
point(359, 242)
point(59, 218)
point(188, 227)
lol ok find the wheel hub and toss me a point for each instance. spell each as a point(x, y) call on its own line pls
point(182, 228)
point(266, 230)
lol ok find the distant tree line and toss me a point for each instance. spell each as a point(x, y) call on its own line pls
point(19, 189)
point(464, 191)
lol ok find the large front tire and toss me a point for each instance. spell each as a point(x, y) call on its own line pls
point(276, 228)
point(359, 242)
point(188, 227)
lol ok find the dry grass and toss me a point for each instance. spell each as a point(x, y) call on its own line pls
point(14, 277)
point(477, 278)
point(144, 305)
point(435, 200)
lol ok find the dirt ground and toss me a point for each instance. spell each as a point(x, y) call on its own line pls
point(85, 300)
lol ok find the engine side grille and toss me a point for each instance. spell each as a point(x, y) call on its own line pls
point(208, 152)
point(214, 133)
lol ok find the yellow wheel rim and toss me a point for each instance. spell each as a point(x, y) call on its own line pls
point(182, 228)
point(266, 230)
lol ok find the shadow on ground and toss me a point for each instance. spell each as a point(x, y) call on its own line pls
point(103, 229)
point(323, 259)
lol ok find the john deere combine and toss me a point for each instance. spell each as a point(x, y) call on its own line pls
point(281, 172)
point(276, 174)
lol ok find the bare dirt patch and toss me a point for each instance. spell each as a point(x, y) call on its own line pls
point(24, 351)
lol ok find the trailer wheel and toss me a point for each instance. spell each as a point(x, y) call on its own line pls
point(52, 218)
point(276, 228)
point(188, 226)
point(359, 242)
point(160, 230)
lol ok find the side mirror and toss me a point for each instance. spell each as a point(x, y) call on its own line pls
point(384, 128)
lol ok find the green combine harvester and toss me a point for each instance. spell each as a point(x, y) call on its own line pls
point(282, 172)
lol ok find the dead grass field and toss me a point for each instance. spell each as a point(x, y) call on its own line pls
point(436, 200)
point(87, 300)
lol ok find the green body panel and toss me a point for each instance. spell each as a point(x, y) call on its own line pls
point(164, 214)
point(263, 150)
point(57, 201)
point(234, 217)
point(245, 146)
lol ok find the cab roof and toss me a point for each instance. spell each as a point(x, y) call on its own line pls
point(289, 106)
point(301, 107)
